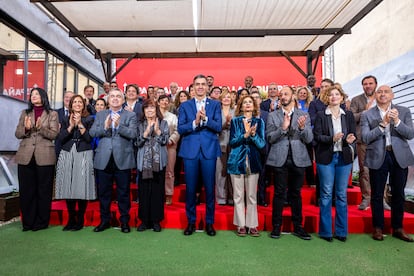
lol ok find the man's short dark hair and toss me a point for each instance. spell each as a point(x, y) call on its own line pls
point(200, 76)
point(369, 77)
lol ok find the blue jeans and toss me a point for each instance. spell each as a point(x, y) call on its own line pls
point(334, 173)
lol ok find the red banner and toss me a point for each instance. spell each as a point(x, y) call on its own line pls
point(226, 71)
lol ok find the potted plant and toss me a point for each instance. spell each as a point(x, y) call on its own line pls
point(355, 178)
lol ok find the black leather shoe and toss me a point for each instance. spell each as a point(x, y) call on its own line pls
point(68, 227)
point(328, 239)
point(275, 234)
point(142, 227)
point(263, 203)
point(125, 228)
point(210, 230)
point(77, 227)
point(190, 229)
point(37, 228)
point(156, 227)
point(339, 238)
point(301, 233)
point(101, 227)
point(400, 234)
point(377, 234)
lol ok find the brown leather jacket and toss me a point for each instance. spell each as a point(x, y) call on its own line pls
point(37, 142)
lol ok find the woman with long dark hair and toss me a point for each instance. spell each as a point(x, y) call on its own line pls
point(74, 174)
point(38, 126)
point(153, 135)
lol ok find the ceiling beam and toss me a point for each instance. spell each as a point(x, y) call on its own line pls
point(210, 33)
point(209, 54)
point(123, 66)
point(293, 63)
point(361, 14)
point(66, 22)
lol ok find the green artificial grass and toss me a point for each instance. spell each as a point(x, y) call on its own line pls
point(54, 252)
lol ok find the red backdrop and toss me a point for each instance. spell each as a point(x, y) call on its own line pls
point(226, 71)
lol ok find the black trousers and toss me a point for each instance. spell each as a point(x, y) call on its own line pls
point(291, 178)
point(397, 182)
point(122, 179)
point(261, 185)
point(151, 198)
point(36, 188)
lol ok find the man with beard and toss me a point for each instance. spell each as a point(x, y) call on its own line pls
point(288, 130)
point(210, 83)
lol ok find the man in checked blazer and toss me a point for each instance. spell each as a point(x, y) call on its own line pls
point(288, 130)
point(116, 129)
point(386, 129)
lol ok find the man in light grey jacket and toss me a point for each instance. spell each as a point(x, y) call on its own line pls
point(386, 130)
point(288, 130)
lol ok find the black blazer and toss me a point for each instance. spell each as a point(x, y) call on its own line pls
point(323, 136)
point(91, 107)
point(137, 109)
point(67, 139)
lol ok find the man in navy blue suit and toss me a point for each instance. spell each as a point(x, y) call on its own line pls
point(199, 122)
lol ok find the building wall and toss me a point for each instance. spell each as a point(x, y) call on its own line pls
point(381, 37)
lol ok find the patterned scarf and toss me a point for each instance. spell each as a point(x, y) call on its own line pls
point(151, 155)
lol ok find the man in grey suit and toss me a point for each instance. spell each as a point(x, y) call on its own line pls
point(288, 130)
point(386, 129)
point(116, 129)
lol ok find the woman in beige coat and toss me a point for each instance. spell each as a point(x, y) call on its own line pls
point(172, 121)
point(38, 126)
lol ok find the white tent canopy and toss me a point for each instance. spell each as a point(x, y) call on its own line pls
point(202, 27)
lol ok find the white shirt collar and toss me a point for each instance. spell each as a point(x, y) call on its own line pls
point(329, 112)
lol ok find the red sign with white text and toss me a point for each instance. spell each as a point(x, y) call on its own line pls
point(13, 77)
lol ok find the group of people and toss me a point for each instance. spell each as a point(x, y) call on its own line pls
point(228, 143)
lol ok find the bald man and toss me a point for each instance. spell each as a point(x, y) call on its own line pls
point(386, 129)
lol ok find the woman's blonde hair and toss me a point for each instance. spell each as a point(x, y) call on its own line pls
point(325, 98)
point(309, 96)
point(223, 94)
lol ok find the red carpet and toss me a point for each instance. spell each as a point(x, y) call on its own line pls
point(359, 221)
